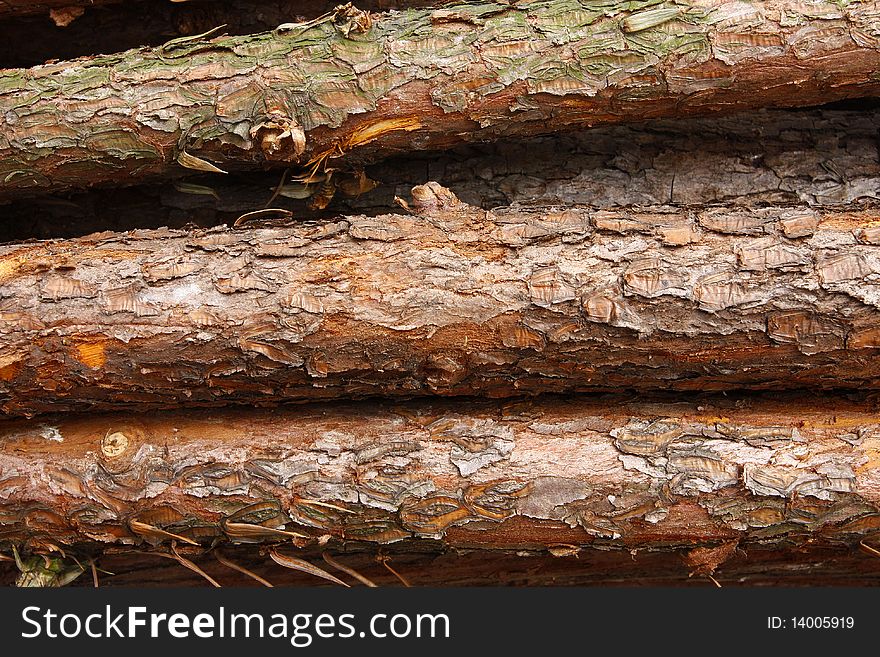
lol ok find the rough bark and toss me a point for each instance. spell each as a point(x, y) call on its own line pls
point(824, 158)
point(452, 301)
point(360, 87)
point(551, 475)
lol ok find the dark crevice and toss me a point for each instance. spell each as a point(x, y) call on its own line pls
point(428, 563)
point(32, 40)
point(823, 158)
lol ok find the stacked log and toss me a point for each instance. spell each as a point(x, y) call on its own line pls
point(617, 352)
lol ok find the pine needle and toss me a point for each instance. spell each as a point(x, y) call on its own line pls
point(384, 561)
point(305, 567)
point(278, 188)
point(244, 571)
point(348, 571)
point(94, 573)
point(183, 561)
point(867, 548)
point(148, 531)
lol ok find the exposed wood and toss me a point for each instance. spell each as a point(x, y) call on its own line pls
point(363, 86)
point(451, 300)
point(824, 158)
point(789, 473)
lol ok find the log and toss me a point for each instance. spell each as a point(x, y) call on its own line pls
point(555, 475)
point(74, 29)
point(824, 158)
point(10, 8)
point(451, 300)
point(362, 87)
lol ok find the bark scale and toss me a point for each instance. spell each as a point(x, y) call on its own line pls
point(360, 86)
point(451, 300)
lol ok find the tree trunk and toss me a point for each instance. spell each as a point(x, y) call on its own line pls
point(361, 87)
point(615, 472)
point(818, 158)
point(450, 301)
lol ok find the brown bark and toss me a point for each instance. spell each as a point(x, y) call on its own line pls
point(551, 475)
point(451, 301)
point(364, 87)
point(818, 158)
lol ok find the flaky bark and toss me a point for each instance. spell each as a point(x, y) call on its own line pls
point(352, 85)
point(824, 158)
point(452, 301)
point(551, 474)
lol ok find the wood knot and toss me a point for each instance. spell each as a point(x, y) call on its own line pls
point(280, 136)
point(114, 444)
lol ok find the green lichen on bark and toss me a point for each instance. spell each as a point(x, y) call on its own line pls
point(466, 72)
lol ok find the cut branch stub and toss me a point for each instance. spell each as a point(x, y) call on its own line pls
point(280, 137)
point(345, 83)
